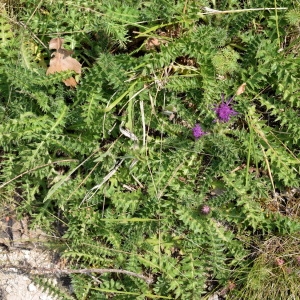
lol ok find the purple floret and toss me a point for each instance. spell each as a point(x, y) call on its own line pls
point(224, 111)
point(205, 209)
point(197, 131)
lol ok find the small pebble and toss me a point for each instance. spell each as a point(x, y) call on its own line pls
point(213, 297)
point(8, 289)
point(31, 287)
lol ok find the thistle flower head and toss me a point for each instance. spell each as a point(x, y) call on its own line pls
point(279, 261)
point(205, 210)
point(197, 131)
point(224, 111)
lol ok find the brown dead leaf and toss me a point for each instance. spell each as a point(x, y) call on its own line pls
point(241, 89)
point(154, 43)
point(62, 61)
point(56, 43)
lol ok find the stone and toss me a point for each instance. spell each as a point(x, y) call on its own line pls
point(31, 287)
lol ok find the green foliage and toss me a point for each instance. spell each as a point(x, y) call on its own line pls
point(114, 160)
point(51, 288)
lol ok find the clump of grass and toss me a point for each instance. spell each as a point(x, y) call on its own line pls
point(274, 273)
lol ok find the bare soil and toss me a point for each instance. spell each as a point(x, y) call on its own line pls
point(21, 251)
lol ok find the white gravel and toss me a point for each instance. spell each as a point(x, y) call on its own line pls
point(20, 251)
point(14, 283)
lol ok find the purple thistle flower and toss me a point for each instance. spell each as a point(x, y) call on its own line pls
point(224, 111)
point(197, 131)
point(205, 209)
point(279, 261)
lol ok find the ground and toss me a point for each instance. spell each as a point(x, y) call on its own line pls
point(21, 251)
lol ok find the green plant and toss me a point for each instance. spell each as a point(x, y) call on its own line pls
point(114, 160)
